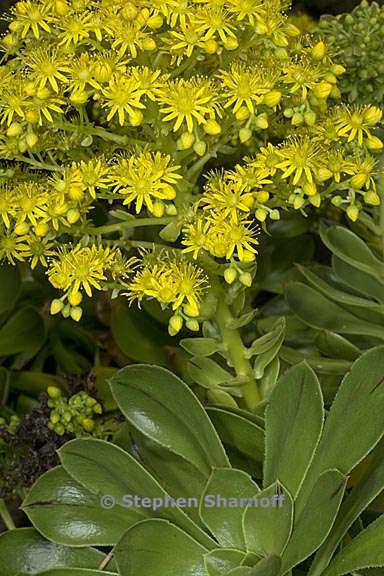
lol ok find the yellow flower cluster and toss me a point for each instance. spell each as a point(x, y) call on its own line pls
point(111, 109)
point(84, 268)
point(174, 282)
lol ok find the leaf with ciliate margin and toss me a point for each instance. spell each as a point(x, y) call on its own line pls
point(225, 521)
point(67, 513)
point(294, 421)
point(25, 552)
point(158, 548)
point(105, 469)
point(162, 407)
point(365, 551)
point(267, 529)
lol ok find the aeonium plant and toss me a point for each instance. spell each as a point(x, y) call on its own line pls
point(145, 143)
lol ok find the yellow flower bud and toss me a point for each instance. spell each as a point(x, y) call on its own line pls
point(338, 69)
point(262, 196)
point(186, 141)
point(76, 313)
point(155, 22)
point(88, 424)
point(337, 201)
point(56, 306)
point(15, 129)
point(245, 134)
point(372, 115)
point(324, 174)
point(374, 143)
point(310, 118)
point(31, 139)
point(175, 324)
point(78, 97)
point(261, 28)
point(41, 229)
point(261, 122)
point(158, 209)
point(169, 193)
point(53, 391)
point(192, 325)
point(170, 210)
point(242, 114)
point(43, 93)
point(136, 118)
point(61, 7)
point(75, 298)
point(200, 148)
point(331, 78)
point(310, 189)
point(353, 212)
point(129, 12)
point(211, 46)
point(192, 309)
point(372, 198)
point(73, 216)
point(212, 127)
point(323, 90)
point(292, 30)
point(298, 202)
point(22, 228)
point(230, 275)
point(335, 93)
point(231, 43)
point(32, 116)
point(274, 215)
point(246, 279)
point(54, 417)
point(359, 180)
point(315, 200)
point(297, 119)
point(261, 214)
point(149, 44)
point(76, 191)
point(22, 145)
point(273, 98)
point(248, 256)
point(319, 51)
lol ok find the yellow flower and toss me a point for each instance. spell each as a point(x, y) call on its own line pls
point(13, 100)
point(187, 101)
point(226, 198)
point(143, 177)
point(148, 80)
point(44, 66)
point(195, 236)
point(212, 20)
point(32, 15)
point(122, 97)
point(356, 122)
point(39, 249)
point(82, 73)
point(250, 10)
point(94, 174)
point(300, 157)
point(80, 268)
point(184, 41)
point(74, 28)
point(245, 86)
point(128, 38)
point(301, 76)
point(12, 247)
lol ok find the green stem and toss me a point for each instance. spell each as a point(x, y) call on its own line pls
point(39, 165)
point(381, 220)
point(134, 223)
point(104, 134)
point(5, 516)
point(234, 345)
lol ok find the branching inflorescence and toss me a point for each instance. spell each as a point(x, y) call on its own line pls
point(118, 106)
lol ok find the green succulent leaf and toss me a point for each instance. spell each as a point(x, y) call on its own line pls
point(221, 508)
point(76, 572)
point(208, 373)
point(200, 346)
point(24, 551)
point(358, 280)
point(294, 421)
point(266, 567)
point(267, 528)
point(352, 250)
point(23, 332)
point(159, 548)
point(336, 346)
point(105, 469)
point(358, 406)
point(10, 283)
point(222, 560)
point(319, 312)
point(267, 341)
point(365, 551)
point(313, 522)
point(78, 517)
point(162, 407)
